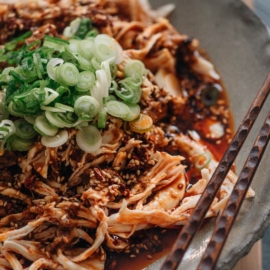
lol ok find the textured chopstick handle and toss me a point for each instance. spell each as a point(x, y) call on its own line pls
point(191, 227)
point(225, 221)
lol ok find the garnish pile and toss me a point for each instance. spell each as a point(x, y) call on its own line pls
point(54, 84)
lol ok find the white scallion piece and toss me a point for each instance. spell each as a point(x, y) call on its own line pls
point(55, 141)
point(89, 139)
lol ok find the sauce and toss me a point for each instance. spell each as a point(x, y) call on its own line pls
point(120, 261)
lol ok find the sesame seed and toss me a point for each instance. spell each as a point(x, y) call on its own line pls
point(151, 162)
point(132, 256)
point(149, 257)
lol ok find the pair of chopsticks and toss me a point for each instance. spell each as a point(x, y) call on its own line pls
point(225, 221)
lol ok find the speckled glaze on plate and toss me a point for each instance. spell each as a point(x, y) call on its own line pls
point(239, 46)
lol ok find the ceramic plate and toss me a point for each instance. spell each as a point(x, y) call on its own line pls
point(238, 44)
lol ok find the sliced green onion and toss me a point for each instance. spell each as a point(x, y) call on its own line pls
point(13, 110)
point(61, 120)
point(30, 118)
point(126, 94)
point(43, 127)
point(50, 95)
point(71, 30)
point(84, 27)
point(92, 33)
point(16, 76)
point(55, 141)
point(7, 128)
point(134, 68)
point(27, 102)
point(38, 65)
point(55, 43)
point(96, 63)
point(85, 64)
point(210, 94)
point(3, 111)
point(105, 65)
point(86, 107)
point(105, 47)
point(69, 57)
point(201, 161)
point(24, 129)
point(51, 66)
point(96, 92)
point(102, 79)
point(130, 89)
point(51, 109)
point(86, 81)
point(67, 74)
point(5, 78)
point(86, 49)
point(16, 143)
point(10, 46)
point(134, 112)
point(117, 109)
point(28, 76)
point(113, 87)
point(102, 118)
point(64, 107)
point(111, 97)
point(89, 139)
point(27, 63)
point(142, 124)
point(73, 46)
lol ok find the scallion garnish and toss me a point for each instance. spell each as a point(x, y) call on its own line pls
point(134, 68)
point(60, 84)
point(86, 107)
point(51, 66)
point(85, 81)
point(142, 124)
point(67, 74)
point(201, 161)
point(24, 129)
point(89, 139)
point(55, 141)
point(117, 109)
